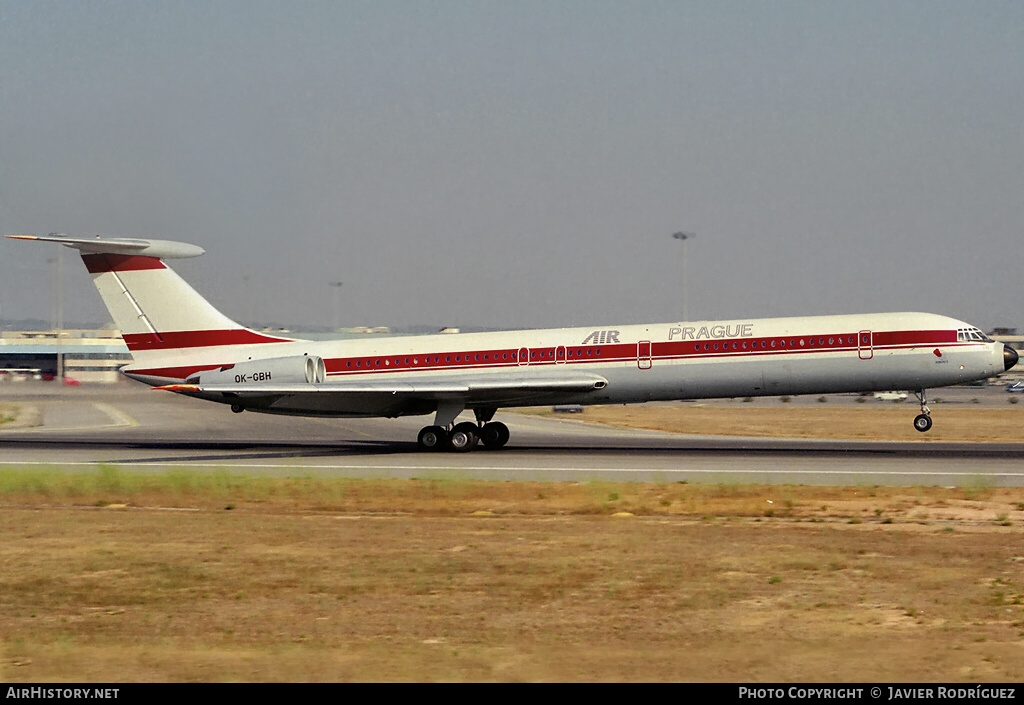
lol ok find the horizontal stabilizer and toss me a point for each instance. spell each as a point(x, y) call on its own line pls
point(164, 249)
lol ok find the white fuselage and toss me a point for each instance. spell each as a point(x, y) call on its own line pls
point(668, 361)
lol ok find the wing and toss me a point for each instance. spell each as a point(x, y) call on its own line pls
point(419, 395)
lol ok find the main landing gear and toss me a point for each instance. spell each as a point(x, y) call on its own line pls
point(923, 421)
point(463, 436)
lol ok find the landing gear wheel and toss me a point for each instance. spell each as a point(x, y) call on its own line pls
point(463, 437)
point(432, 438)
point(924, 420)
point(494, 434)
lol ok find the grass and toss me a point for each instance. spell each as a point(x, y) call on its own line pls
point(113, 575)
point(111, 485)
point(868, 422)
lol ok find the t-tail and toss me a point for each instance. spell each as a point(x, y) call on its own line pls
point(159, 315)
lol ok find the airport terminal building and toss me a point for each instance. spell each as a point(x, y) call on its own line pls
point(88, 356)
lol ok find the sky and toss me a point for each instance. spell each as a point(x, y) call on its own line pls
point(522, 164)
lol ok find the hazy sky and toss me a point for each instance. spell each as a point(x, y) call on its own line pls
point(522, 163)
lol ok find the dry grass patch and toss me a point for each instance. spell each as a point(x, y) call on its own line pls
point(8, 414)
point(336, 580)
point(868, 422)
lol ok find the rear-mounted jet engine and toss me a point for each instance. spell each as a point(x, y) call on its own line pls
point(281, 370)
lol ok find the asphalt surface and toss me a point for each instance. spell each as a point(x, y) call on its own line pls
point(76, 428)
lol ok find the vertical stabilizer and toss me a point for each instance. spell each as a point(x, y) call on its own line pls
point(157, 312)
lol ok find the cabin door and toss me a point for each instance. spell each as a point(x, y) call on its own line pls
point(865, 348)
point(643, 354)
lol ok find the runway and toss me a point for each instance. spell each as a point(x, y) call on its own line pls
point(76, 429)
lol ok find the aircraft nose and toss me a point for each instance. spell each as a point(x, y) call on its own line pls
point(1010, 357)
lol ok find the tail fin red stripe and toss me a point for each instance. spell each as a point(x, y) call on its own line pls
point(169, 340)
point(97, 264)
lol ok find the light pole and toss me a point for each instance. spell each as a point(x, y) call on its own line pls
point(683, 237)
point(58, 310)
point(337, 304)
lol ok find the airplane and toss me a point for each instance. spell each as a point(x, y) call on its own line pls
point(180, 343)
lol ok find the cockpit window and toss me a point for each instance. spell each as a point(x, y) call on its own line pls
point(968, 334)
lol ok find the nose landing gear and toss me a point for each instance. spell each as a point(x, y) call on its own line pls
point(923, 421)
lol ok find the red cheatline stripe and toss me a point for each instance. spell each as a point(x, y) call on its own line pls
point(169, 340)
point(97, 264)
point(664, 351)
point(577, 354)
